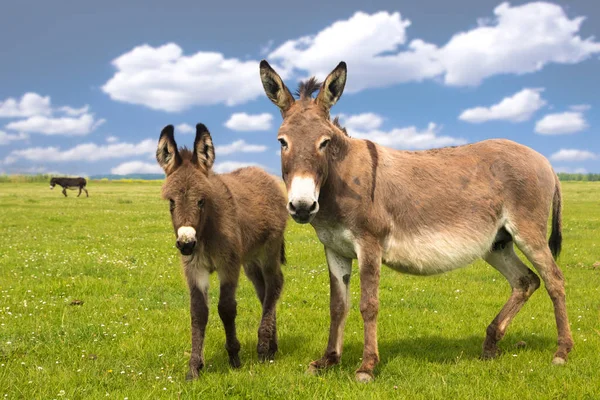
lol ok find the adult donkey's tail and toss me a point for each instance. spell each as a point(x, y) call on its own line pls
point(555, 241)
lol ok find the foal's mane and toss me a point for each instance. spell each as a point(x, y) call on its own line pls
point(185, 153)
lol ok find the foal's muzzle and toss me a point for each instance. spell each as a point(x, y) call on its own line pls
point(186, 248)
point(186, 240)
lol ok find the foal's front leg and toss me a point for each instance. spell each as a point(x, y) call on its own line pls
point(369, 262)
point(198, 279)
point(340, 269)
point(228, 311)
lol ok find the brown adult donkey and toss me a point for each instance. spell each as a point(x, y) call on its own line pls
point(418, 212)
point(221, 222)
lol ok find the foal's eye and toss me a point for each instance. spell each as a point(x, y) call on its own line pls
point(201, 203)
point(171, 204)
point(284, 144)
point(324, 144)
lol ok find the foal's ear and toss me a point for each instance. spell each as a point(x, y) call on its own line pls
point(167, 154)
point(275, 88)
point(333, 86)
point(204, 151)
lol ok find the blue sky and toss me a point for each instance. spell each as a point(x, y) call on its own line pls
point(87, 87)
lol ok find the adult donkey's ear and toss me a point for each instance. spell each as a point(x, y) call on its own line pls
point(167, 154)
point(275, 88)
point(204, 151)
point(333, 87)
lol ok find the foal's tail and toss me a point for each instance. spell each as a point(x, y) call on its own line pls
point(282, 258)
point(555, 241)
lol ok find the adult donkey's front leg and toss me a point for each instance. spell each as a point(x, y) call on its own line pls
point(340, 269)
point(228, 310)
point(198, 279)
point(369, 262)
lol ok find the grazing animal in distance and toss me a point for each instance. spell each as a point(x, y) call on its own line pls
point(221, 222)
point(71, 184)
point(418, 212)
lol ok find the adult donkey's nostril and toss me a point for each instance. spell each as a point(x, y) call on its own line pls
point(291, 207)
point(313, 206)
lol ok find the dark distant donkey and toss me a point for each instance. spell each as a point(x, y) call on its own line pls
point(70, 183)
point(222, 222)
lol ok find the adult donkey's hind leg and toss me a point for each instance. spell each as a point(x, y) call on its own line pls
point(541, 258)
point(64, 191)
point(79, 191)
point(523, 283)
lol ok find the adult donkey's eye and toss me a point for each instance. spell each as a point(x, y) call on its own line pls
point(201, 203)
point(284, 144)
point(324, 144)
point(171, 204)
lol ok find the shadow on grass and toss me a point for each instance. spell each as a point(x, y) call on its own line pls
point(443, 350)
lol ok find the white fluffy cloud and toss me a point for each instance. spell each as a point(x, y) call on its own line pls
point(239, 146)
point(6, 138)
point(112, 139)
point(573, 155)
point(184, 128)
point(136, 167)
point(228, 166)
point(369, 47)
point(30, 104)
point(408, 137)
point(163, 78)
point(247, 122)
point(83, 152)
point(67, 126)
point(518, 40)
point(561, 123)
point(516, 108)
point(40, 117)
point(361, 122)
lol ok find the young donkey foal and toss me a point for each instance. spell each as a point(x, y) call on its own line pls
point(418, 212)
point(222, 222)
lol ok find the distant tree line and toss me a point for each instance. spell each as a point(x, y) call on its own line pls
point(563, 176)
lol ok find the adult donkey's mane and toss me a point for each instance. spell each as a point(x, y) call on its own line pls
point(305, 91)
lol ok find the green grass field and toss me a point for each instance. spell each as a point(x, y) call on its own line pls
point(129, 339)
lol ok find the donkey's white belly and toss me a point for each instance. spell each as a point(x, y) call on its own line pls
point(421, 254)
point(434, 252)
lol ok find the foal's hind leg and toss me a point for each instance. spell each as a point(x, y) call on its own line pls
point(228, 278)
point(273, 285)
point(523, 283)
point(540, 256)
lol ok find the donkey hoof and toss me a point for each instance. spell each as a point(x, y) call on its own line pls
point(559, 361)
point(191, 375)
point(364, 377)
point(313, 369)
point(490, 354)
point(235, 362)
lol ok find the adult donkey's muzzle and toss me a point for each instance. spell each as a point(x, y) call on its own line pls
point(303, 199)
point(186, 240)
point(302, 211)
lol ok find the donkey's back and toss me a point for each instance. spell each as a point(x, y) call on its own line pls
point(259, 204)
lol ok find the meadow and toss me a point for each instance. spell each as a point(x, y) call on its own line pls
point(93, 305)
